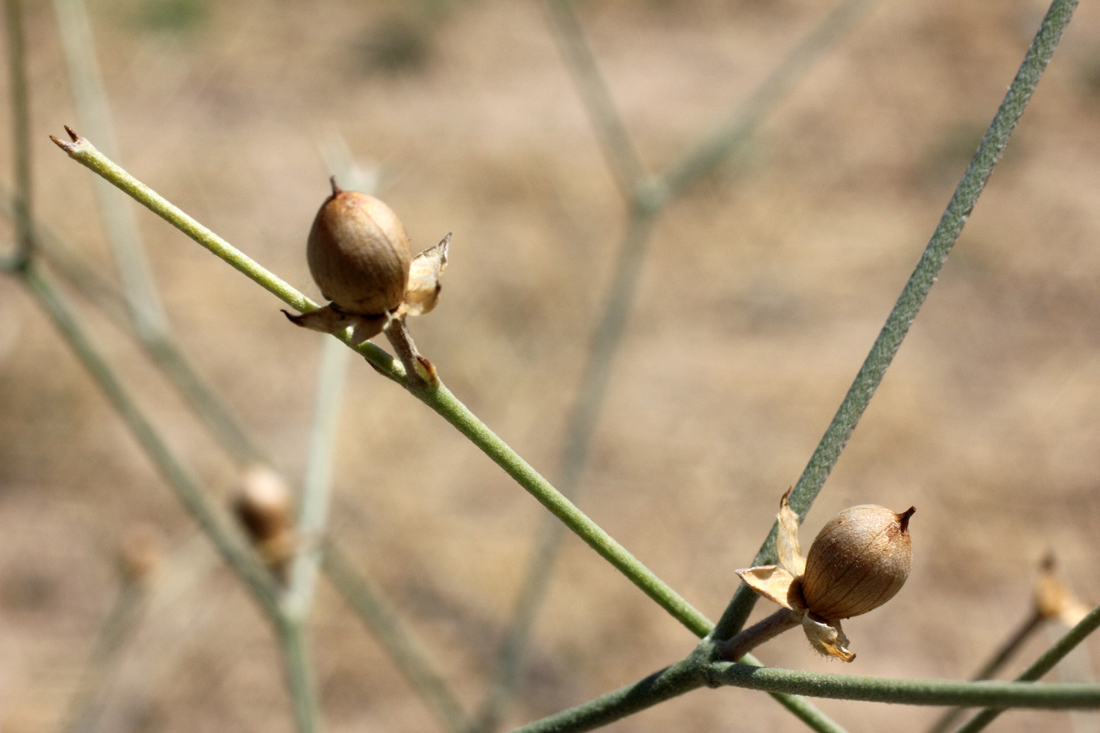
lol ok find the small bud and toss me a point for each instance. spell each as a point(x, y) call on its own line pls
point(858, 561)
point(358, 253)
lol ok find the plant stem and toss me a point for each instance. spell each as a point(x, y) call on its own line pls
point(1053, 696)
point(20, 134)
point(456, 413)
point(748, 639)
point(119, 222)
point(187, 487)
point(313, 505)
point(913, 295)
point(1024, 632)
point(622, 157)
point(117, 628)
point(438, 397)
point(732, 132)
point(385, 623)
point(294, 643)
point(670, 682)
point(1041, 666)
point(688, 674)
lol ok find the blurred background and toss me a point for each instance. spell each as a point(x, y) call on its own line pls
point(763, 290)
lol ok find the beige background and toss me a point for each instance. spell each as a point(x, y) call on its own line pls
point(764, 289)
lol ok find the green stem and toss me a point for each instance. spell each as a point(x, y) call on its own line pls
point(457, 414)
point(907, 692)
point(294, 643)
point(116, 630)
point(187, 487)
point(385, 623)
point(688, 674)
point(20, 133)
point(317, 484)
point(913, 295)
point(438, 398)
point(670, 682)
point(622, 157)
point(119, 222)
point(1042, 665)
point(736, 129)
point(1024, 632)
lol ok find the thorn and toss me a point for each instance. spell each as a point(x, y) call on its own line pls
point(72, 134)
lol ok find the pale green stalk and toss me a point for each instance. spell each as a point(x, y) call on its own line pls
point(293, 636)
point(438, 397)
point(385, 623)
point(188, 488)
point(622, 157)
point(1041, 666)
point(647, 199)
point(115, 631)
point(912, 296)
point(313, 505)
point(20, 137)
point(691, 673)
point(78, 46)
point(735, 130)
point(1011, 645)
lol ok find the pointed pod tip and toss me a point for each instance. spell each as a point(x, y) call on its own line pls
point(903, 518)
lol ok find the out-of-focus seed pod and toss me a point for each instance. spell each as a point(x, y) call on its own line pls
point(265, 509)
point(858, 561)
point(358, 253)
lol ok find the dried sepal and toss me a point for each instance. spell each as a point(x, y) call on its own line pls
point(332, 319)
point(827, 637)
point(424, 279)
point(775, 584)
point(1054, 600)
point(790, 552)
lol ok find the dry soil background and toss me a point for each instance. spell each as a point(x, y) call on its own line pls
point(764, 289)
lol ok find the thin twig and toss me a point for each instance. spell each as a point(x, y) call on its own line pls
point(912, 296)
point(78, 46)
point(689, 674)
point(116, 630)
point(1041, 666)
point(293, 636)
point(622, 157)
point(647, 201)
point(180, 477)
point(21, 135)
point(385, 623)
point(437, 397)
point(1010, 646)
point(316, 493)
point(732, 132)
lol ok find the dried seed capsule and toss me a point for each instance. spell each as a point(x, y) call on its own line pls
point(358, 253)
point(858, 561)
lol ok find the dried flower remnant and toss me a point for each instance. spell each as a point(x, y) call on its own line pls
point(358, 255)
point(858, 561)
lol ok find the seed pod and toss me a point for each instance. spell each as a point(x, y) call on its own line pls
point(858, 561)
point(358, 253)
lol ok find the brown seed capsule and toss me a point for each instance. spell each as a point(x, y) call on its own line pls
point(858, 561)
point(358, 253)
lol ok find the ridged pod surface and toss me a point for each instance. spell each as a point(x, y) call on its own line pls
point(858, 561)
point(358, 253)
